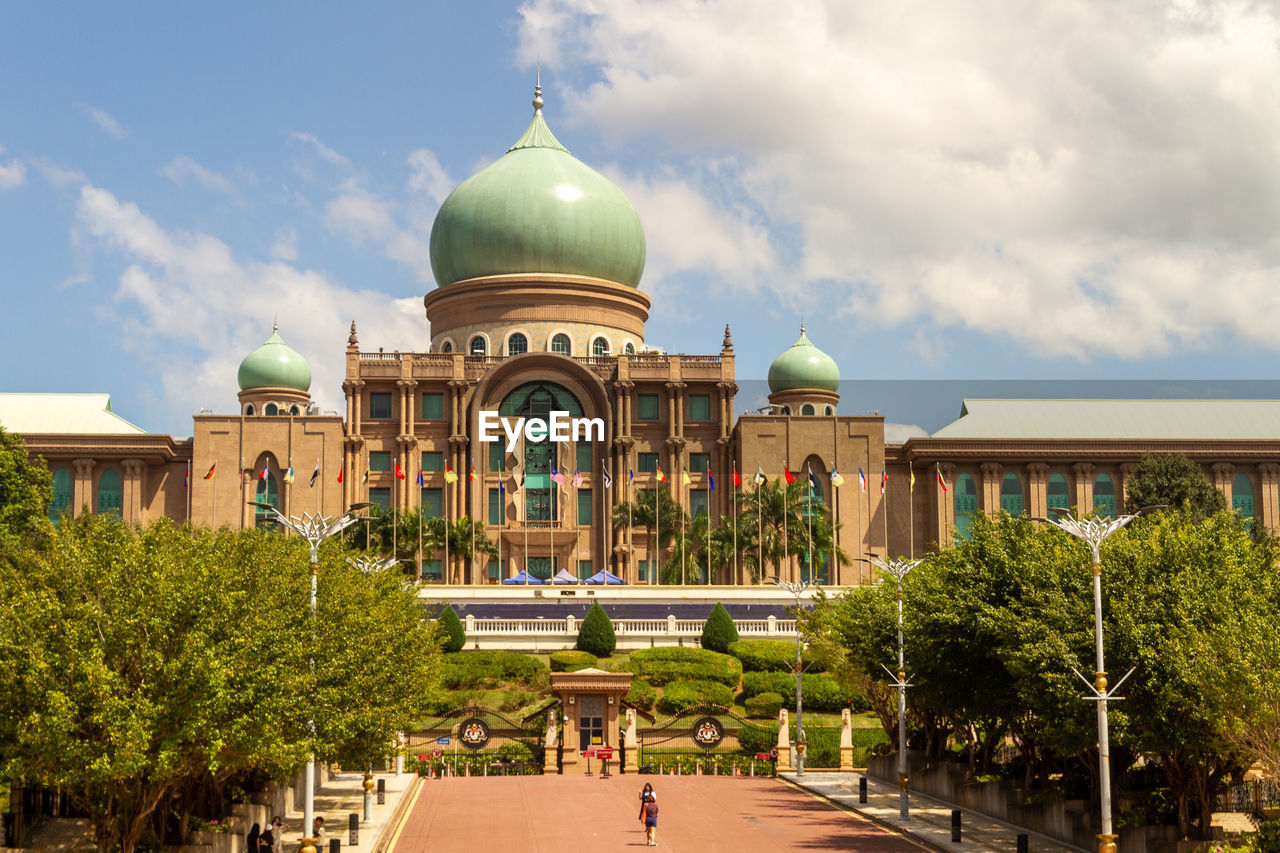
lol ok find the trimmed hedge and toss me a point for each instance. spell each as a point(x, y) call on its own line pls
point(718, 632)
point(572, 660)
point(821, 692)
point(487, 668)
point(596, 635)
point(765, 705)
point(823, 749)
point(641, 695)
point(772, 656)
point(661, 666)
point(679, 695)
point(453, 637)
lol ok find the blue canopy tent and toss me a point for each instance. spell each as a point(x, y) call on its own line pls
point(524, 577)
point(604, 576)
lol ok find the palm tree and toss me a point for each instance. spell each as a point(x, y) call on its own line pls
point(649, 507)
point(465, 537)
point(778, 515)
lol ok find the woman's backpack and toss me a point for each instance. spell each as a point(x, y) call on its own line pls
point(651, 809)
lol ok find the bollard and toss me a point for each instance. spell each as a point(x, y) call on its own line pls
point(353, 829)
point(1024, 843)
point(862, 790)
point(382, 791)
point(955, 826)
point(335, 845)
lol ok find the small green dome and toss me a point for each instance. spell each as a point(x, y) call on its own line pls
point(537, 209)
point(274, 365)
point(804, 366)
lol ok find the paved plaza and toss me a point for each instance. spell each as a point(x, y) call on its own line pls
point(514, 814)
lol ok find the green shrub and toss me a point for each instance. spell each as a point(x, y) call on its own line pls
point(515, 751)
point(758, 737)
point(660, 666)
point(679, 695)
point(453, 637)
point(641, 695)
point(596, 634)
point(571, 660)
point(514, 700)
point(764, 705)
point(1268, 837)
point(488, 668)
point(782, 683)
point(821, 692)
point(772, 656)
point(719, 631)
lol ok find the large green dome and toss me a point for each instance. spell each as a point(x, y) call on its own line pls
point(537, 209)
point(274, 365)
point(804, 366)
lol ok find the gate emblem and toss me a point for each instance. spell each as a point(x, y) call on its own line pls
point(473, 733)
point(707, 732)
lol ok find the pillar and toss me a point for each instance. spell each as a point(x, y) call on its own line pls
point(1038, 490)
point(1268, 477)
point(1084, 472)
point(784, 742)
point(846, 740)
point(82, 486)
point(992, 474)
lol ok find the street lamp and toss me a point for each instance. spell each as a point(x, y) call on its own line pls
point(370, 566)
point(315, 529)
point(1095, 531)
point(898, 568)
point(797, 589)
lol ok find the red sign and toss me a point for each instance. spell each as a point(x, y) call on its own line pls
point(590, 752)
point(763, 756)
point(604, 752)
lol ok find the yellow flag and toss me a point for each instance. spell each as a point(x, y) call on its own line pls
point(449, 476)
point(913, 479)
point(684, 478)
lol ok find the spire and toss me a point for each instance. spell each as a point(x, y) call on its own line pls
point(537, 92)
point(352, 340)
point(537, 134)
point(727, 345)
point(802, 325)
point(275, 324)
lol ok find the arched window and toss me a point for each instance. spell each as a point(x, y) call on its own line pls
point(249, 410)
point(600, 346)
point(1059, 496)
point(538, 400)
point(478, 346)
point(560, 343)
point(294, 410)
point(786, 410)
point(268, 493)
point(1104, 495)
point(110, 498)
point(966, 504)
point(446, 347)
point(829, 410)
point(1011, 498)
point(517, 344)
point(271, 409)
point(1242, 496)
point(62, 494)
point(629, 348)
point(807, 409)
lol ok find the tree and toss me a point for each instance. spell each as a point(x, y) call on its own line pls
point(453, 636)
point(25, 493)
point(788, 522)
point(1172, 481)
point(719, 631)
point(596, 634)
point(466, 537)
point(648, 508)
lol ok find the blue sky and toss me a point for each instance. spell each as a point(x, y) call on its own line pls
point(943, 191)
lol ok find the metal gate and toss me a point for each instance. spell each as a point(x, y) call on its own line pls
point(475, 740)
point(706, 740)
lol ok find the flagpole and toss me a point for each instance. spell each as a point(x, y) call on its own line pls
point(786, 510)
point(911, 506)
point(884, 508)
point(630, 549)
point(857, 523)
point(834, 571)
point(708, 525)
point(759, 525)
point(809, 506)
point(448, 569)
point(684, 530)
point(657, 511)
point(733, 517)
point(421, 481)
point(524, 504)
point(215, 494)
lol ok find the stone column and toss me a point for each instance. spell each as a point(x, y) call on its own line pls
point(1224, 474)
point(551, 744)
point(1084, 472)
point(992, 473)
point(1268, 476)
point(82, 486)
point(1038, 489)
point(784, 742)
point(1126, 468)
point(131, 488)
point(846, 741)
point(631, 743)
point(945, 507)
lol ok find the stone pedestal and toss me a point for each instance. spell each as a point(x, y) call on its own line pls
point(846, 740)
point(784, 742)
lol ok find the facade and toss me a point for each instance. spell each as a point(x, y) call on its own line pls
point(538, 260)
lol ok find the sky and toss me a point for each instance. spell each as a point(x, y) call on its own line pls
point(941, 191)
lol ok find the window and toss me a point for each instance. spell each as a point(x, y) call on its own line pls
point(698, 462)
point(1059, 496)
point(599, 347)
point(560, 343)
point(495, 571)
point(584, 460)
point(1242, 496)
point(379, 404)
point(1011, 498)
point(271, 409)
point(446, 347)
point(584, 570)
point(647, 570)
point(380, 498)
point(432, 503)
point(517, 344)
point(433, 406)
point(1104, 495)
point(699, 407)
point(584, 507)
point(629, 349)
point(268, 493)
point(431, 570)
point(432, 461)
point(294, 410)
point(807, 409)
point(495, 507)
point(966, 504)
point(786, 410)
point(62, 494)
point(249, 410)
point(478, 346)
point(829, 410)
point(497, 457)
point(647, 406)
point(110, 497)
point(697, 502)
point(380, 460)
point(648, 463)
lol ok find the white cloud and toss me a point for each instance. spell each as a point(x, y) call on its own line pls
point(188, 295)
point(428, 176)
point(105, 121)
point(364, 218)
point(58, 175)
point(285, 246)
point(182, 169)
point(1084, 180)
point(12, 174)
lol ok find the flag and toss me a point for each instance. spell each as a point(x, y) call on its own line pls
point(339, 475)
point(422, 480)
point(399, 473)
point(711, 481)
point(662, 478)
point(577, 479)
point(212, 469)
point(837, 479)
point(263, 475)
point(502, 488)
point(737, 480)
point(365, 478)
point(186, 480)
point(941, 482)
point(471, 477)
point(631, 475)
point(786, 473)
point(912, 471)
point(813, 481)
point(557, 477)
point(862, 480)
point(608, 481)
point(760, 477)
point(288, 475)
point(315, 475)
point(685, 479)
point(449, 476)
point(884, 480)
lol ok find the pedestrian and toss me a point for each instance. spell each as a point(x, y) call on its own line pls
point(649, 814)
point(318, 827)
point(266, 841)
point(251, 842)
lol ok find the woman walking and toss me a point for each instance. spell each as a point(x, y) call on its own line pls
point(649, 814)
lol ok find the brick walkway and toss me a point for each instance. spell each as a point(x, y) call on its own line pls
point(514, 814)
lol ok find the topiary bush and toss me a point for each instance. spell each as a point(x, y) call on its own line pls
point(641, 695)
point(764, 705)
point(679, 695)
point(821, 692)
point(571, 660)
point(782, 683)
point(596, 634)
point(660, 666)
point(719, 631)
point(772, 656)
point(488, 668)
point(453, 637)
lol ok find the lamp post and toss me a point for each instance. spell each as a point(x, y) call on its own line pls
point(797, 589)
point(315, 529)
point(898, 568)
point(1095, 531)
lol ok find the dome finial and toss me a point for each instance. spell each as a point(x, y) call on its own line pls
point(537, 91)
point(352, 340)
point(727, 344)
point(802, 325)
point(275, 324)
